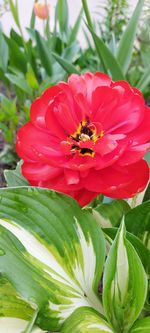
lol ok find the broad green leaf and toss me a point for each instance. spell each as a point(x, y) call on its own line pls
point(140, 248)
point(67, 66)
point(110, 62)
point(44, 53)
point(125, 48)
point(14, 178)
point(17, 57)
point(86, 320)
point(17, 38)
point(3, 52)
point(141, 326)
point(47, 242)
point(125, 284)
point(138, 219)
point(144, 80)
point(20, 82)
point(110, 214)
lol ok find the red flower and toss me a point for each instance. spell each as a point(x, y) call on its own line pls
point(87, 136)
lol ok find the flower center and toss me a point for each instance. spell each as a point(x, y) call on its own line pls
point(84, 138)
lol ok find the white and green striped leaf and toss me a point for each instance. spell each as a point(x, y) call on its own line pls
point(125, 284)
point(16, 315)
point(110, 214)
point(141, 326)
point(86, 320)
point(52, 252)
point(15, 325)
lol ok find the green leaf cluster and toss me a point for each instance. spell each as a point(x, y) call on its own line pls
point(52, 258)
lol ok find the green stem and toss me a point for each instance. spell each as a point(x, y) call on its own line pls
point(91, 28)
point(87, 13)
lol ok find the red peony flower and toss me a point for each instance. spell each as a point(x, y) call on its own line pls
point(87, 136)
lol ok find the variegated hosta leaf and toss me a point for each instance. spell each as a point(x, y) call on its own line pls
point(52, 252)
point(141, 326)
point(125, 284)
point(86, 320)
point(11, 304)
point(15, 325)
point(110, 214)
point(15, 314)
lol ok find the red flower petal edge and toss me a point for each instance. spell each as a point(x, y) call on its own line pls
point(87, 136)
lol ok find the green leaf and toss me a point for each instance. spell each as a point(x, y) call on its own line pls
point(11, 305)
point(125, 48)
point(141, 326)
point(125, 284)
point(62, 15)
point(75, 29)
point(17, 38)
point(14, 178)
point(72, 52)
point(108, 59)
point(15, 313)
point(111, 214)
point(140, 248)
point(3, 52)
point(17, 57)
point(46, 243)
point(31, 78)
point(32, 20)
point(20, 82)
point(15, 325)
point(138, 219)
point(14, 11)
point(86, 320)
point(67, 66)
point(44, 53)
point(144, 80)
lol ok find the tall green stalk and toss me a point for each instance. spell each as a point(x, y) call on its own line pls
point(90, 25)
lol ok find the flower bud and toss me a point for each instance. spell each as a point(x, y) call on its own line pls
point(41, 10)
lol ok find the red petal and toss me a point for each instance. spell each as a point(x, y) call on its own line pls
point(83, 196)
point(133, 154)
point(52, 124)
point(72, 176)
point(114, 182)
point(40, 105)
point(35, 144)
point(105, 145)
point(38, 171)
point(118, 112)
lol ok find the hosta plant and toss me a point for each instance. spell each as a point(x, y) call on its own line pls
point(57, 274)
